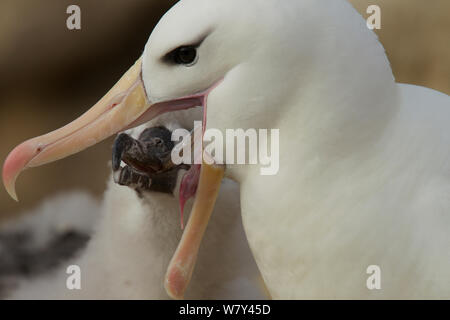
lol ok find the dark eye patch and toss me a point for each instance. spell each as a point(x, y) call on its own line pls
point(184, 55)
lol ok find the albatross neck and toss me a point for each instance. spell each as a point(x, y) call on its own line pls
point(335, 134)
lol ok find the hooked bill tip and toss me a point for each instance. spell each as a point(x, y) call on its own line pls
point(12, 193)
point(10, 184)
point(14, 164)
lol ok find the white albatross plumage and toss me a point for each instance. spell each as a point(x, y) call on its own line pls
point(364, 173)
point(371, 157)
point(131, 246)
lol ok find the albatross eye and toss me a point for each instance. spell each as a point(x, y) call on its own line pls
point(186, 55)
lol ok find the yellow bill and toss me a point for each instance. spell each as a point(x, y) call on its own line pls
point(183, 262)
point(126, 106)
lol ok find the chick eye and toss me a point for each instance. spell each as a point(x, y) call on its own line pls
point(186, 55)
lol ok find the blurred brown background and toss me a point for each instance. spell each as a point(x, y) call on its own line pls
point(50, 75)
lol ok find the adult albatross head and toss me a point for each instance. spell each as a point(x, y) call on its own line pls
point(245, 62)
